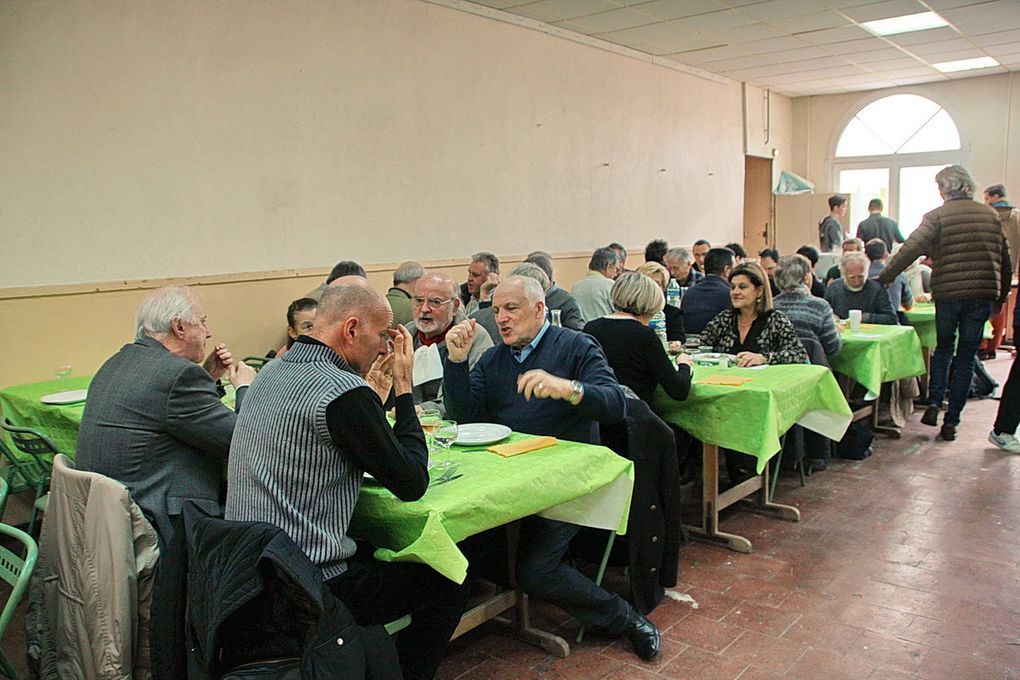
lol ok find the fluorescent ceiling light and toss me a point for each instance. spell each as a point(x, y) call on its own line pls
point(965, 64)
point(907, 23)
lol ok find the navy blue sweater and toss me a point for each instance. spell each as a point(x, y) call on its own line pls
point(703, 302)
point(489, 392)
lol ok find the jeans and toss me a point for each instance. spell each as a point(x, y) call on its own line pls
point(1008, 416)
point(959, 324)
point(380, 592)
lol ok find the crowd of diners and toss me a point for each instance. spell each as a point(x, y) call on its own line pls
point(509, 347)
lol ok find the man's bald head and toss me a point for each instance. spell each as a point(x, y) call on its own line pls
point(352, 320)
point(347, 296)
point(519, 305)
point(527, 286)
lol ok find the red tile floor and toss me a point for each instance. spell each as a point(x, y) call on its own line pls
point(903, 566)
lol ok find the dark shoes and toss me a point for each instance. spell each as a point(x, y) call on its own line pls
point(948, 432)
point(931, 416)
point(643, 635)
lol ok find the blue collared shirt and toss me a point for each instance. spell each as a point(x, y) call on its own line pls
point(521, 354)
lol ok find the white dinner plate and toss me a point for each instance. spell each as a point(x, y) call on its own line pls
point(478, 434)
point(68, 397)
point(713, 358)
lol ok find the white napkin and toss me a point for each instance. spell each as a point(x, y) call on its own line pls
point(427, 365)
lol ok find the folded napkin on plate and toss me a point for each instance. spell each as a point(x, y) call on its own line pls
point(523, 446)
point(732, 380)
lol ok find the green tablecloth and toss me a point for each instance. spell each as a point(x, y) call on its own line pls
point(922, 317)
point(579, 483)
point(879, 354)
point(21, 404)
point(751, 417)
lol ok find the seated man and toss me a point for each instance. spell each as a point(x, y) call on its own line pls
point(436, 306)
point(311, 426)
point(399, 296)
point(154, 420)
point(811, 316)
point(816, 285)
point(341, 268)
point(300, 320)
point(551, 381)
point(700, 251)
point(486, 317)
point(738, 252)
point(768, 258)
point(556, 297)
point(850, 245)
point(592, 292)
point(680, 264)
point(655, 251)
point(855, 291)
point(483, 275)
point(705, 301)
point(899, 291)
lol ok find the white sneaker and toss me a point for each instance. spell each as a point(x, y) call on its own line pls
point(1005, 441)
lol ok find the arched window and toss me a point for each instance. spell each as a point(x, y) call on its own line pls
point(891, 149)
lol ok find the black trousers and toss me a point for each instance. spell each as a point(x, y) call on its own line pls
point(380, 592)
point(1008, 416)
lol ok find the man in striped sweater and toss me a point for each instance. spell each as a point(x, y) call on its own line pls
point(312, 424)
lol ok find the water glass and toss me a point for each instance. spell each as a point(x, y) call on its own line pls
point(430, 420)
point(445, 435)
point(64, 371)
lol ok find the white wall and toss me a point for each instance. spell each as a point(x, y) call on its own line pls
point(169, 139)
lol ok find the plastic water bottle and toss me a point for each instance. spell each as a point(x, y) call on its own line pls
point(658, 324)
point(673, 293)
point(554, 317)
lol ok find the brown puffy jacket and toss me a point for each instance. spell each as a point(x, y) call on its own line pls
point(970, 251)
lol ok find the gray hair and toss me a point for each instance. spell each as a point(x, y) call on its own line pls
point(955, 182)
point(408, 272)
point(442, 278)
point(791, 271)
point(637, 294)
point(681, 254)
point(850, 258)
point(162, 306)
point(532, 271)
point(602, 258)
point(490, 260)
point(533, 292)
point(543, 260)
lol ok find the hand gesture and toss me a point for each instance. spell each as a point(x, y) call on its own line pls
point(403, 359)
point(488, 285)
point(541, 385)
point(380, 376)
point(459, 340)
point(750, 359)
point(685, 359)
point(218, 361)
point(240, 374)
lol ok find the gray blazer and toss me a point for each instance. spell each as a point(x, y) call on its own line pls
point(154, 422)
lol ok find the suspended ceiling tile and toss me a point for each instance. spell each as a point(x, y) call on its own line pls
point(921, 37)
point(834, 35)
point(1001, 52)
point(840, 73)
point(853, 47)
point(558, 10)
point(498, 4)
point(749, 33)
point(605, 22)
point(884, 10)
point(939, 5)
point(769, 45)
point(988, 17)
point(702, 56)
point(954, 55)
point(808, 22)
point(798, 54)
point(935, 49)
point(998, 38)
point(783, 9)
point(660, 38)
point(918, 80)
point(888, 56)
point(676, 9)
point(714, 22)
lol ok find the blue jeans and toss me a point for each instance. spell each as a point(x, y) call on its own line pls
point(956, 318)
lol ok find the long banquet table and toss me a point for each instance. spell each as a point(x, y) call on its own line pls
point(750, 418)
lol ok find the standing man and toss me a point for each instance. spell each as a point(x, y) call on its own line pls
point(878, 226)
point(1007, 418)
point(830, 229)
point(312, 426)
point(971, 272)
point(545, 380)
point(153, 419)
point(483, 275)
point(1009, 218)
point(399, 296)
point(700, 250)
point(592, 292)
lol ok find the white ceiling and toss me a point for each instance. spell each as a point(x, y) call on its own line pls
point(795, 47)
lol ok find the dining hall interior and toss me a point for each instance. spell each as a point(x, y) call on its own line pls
point(242, 149)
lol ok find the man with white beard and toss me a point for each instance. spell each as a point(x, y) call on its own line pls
point(854, 290)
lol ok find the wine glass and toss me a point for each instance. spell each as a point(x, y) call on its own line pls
point(64, 371)
point(445, 435)
point(430, 419)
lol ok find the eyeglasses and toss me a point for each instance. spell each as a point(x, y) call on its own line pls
point(432, 302)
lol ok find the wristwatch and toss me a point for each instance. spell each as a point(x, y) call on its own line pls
point(576, 392)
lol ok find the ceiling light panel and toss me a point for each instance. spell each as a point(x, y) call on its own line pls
point(910, 23)
point(965, 64)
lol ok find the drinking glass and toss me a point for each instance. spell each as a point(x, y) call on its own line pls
point(64, 371)
point(430, 420)
point(445, 435)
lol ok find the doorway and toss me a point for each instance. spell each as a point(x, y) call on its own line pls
point(759, 211)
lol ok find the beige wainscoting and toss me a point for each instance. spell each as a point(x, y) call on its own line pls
point(83, 325)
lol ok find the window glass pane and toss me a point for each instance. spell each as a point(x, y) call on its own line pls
point(858, 140)
point(863, 185)
point(895, 119)
point(918, 195)
point(939, 134)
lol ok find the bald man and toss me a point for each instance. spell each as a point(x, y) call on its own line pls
point(286, 471)
point(546, 380)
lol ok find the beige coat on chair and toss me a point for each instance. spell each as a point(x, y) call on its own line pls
point(88, 611)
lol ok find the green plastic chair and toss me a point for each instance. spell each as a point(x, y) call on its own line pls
point(17, 572)
point(257, 362)
point(32, 474)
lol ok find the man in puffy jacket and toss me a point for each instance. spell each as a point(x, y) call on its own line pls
point(971, 273)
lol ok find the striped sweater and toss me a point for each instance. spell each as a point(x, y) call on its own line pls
point(811, 317)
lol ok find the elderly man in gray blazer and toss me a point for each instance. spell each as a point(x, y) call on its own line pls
point(153, 419)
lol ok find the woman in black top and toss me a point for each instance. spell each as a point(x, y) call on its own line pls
point(633, 350)
point(675, 332)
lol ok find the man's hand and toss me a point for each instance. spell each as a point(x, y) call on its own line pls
point(240, 374)
point(218, 361)
point(403, 360)
point(541, 385)
point(488, 285)
point(459, 339)
point(380, 376)
point(750, 359)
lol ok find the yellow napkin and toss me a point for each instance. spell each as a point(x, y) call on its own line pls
point(871, 325)
point(514, 448)
point(732, 380)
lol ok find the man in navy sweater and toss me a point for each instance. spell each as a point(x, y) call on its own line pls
point(547, 380)
point(703, 302)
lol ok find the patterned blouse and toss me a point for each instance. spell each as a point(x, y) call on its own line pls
point(777, 339)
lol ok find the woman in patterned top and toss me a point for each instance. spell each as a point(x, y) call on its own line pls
point(751, 329)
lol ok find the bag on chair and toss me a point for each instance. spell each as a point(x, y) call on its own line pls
point(856, 443)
